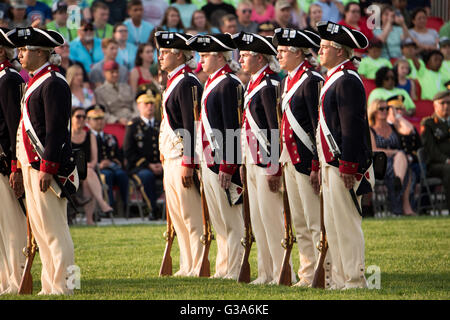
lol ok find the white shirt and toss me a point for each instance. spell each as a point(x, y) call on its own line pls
point(38, 70)
point(148, 122)
point(330, 72)
point(257, 74)
point(174, 71)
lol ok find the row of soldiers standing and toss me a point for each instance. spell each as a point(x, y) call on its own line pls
point(323, 147)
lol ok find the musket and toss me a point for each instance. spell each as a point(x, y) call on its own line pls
point(247, 241)
point(26, 284)
point(166, 265)
point(207, 236)
point(319, 273)
point(289, 238)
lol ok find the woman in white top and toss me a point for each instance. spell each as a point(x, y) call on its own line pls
point(425, 38)
point(81, 96)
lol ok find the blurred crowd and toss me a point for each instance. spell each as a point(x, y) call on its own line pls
point(110, 55)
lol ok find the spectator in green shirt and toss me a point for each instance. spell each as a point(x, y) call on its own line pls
point(373, 61)
point(445, 30)
point(59, 22)
point(445, 49)
point(410, 53)
point(430, 78)
point(386, 81)
point(100, 13)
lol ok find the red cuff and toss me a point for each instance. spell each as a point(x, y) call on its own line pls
point(14, 166)
point(315, 165)
point(49, 167)
point(188, 162)
point(229, 168)
point(348, 167)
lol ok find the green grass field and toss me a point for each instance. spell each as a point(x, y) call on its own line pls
point(123, 263)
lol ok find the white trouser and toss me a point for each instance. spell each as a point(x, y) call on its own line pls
point(13, 238)
point(228, 225)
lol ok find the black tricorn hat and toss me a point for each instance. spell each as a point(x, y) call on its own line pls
point(22, 37)
point(4, 40)
point(246, 41)
point(341, 34)
point(212, 43)
point(295, 38)
point(172, 40)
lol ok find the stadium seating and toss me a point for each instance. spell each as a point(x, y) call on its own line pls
point(435, 23)
point(369, 85)
point(116, 129)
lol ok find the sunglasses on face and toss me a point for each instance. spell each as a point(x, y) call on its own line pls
point(86, 29)
point(383, 108)
point(247, 11)
point(80, 116)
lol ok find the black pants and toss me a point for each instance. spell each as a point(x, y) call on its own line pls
point(442, 171)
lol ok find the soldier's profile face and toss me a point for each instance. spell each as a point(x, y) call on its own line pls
point(29, 59)
point(327, 54)
point(248, 62)
point(286, 58)
point(209, 62)
point(167, 59)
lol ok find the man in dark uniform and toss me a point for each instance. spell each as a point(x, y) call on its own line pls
point(218, 150)
point(12, 220)
point(176, 144)
point(140, 146)
point(44, 154)
point(300, 98)
point(436, 141)
point(260, 149)
point(344, 151)
point(109, 155)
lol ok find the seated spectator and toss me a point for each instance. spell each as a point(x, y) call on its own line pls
point(400, 7)
point(266, 29)
point(410, 53)
point(141, 146)
point(373, 61)
point(401, 70)
point(82, 96)
point(385, 81)
point(18, 15)
point(410, 142)
point(86, 48)
point(64, 52)
point(141, 74)
point(110, 49)
point(100, 13)
point(172, 21)
point(425, 38)
point(298, 17)
point(154, 11)
point(117, 10)
point(314, 16)
point(430, 78)
point(263, 11)
point(109, 156)
point(332, 10)
point(228, 24)
point(200, 24)
point(244, 14)
point(444, 32)
point(385, 138)
point(186, 9)
point(352, 19)
point(37, 10)
point(127, 51)
point(116, 97)
point(436, 141)
point(445, 50)
point(86, 141)
point(283, 11)
point(59, 22)
point(215, 10)
point(139, 30)
point(392, 32)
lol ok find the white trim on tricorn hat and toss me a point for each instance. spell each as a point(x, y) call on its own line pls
point(342, 35)
point(245, 41)
point(208, 46)
point(283, 37)
point(4, 40)
point(167, 39)
point(35, 38)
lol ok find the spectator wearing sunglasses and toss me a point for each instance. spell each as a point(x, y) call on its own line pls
point(244, 14)
point(386, 81)
point(86, 49)
point(385, 138)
